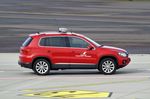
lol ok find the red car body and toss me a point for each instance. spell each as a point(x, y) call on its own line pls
point(75, 56)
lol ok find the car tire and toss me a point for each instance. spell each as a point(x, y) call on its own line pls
point(41, 67)
point(107, 66)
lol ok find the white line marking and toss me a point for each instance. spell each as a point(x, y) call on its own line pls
point(25, 71)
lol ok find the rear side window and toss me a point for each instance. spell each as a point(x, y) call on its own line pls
point(54, 41)
point(27, 41)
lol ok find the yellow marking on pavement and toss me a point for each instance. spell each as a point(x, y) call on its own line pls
point(70, 94)
point(28, 90)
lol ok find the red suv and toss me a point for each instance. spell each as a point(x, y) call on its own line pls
point(47, 51)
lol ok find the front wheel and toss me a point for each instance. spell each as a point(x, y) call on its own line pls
point(107, 66)
point(41, 67)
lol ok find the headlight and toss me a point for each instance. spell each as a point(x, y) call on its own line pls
point(123, 54)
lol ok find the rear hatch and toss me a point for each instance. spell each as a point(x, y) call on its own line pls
point(24, 48)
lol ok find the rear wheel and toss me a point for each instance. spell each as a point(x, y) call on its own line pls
point(107, 66)
point(41, 67)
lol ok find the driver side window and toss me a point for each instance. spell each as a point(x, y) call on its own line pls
point(77, 42)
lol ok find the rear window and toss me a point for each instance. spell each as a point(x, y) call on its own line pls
point(27, 42)
point(54, 41)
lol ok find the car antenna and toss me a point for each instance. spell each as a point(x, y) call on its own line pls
point(71, 31)
point(57, 24)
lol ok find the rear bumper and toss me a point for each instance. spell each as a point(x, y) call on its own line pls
point(25, 65)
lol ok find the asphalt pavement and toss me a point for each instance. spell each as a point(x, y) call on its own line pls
point(109, 22)
point(131, 82)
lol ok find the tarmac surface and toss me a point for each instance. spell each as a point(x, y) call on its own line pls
point(109, 22)
point(131, 82)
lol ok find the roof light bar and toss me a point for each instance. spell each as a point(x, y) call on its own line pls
point(63, 30)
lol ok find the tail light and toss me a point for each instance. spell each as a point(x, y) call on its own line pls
point(25, 51)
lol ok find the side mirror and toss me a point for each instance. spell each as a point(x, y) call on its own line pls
point(90, 47)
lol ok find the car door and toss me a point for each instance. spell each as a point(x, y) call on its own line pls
point(81, 56)
point(58, 51)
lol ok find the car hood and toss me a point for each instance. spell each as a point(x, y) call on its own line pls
point(113, 48)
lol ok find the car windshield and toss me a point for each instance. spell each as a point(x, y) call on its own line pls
point(95, 43)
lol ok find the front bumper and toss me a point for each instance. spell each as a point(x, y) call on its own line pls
point(124, 62)
point(25, 65)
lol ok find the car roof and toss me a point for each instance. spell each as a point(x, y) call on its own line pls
point(53, 33)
